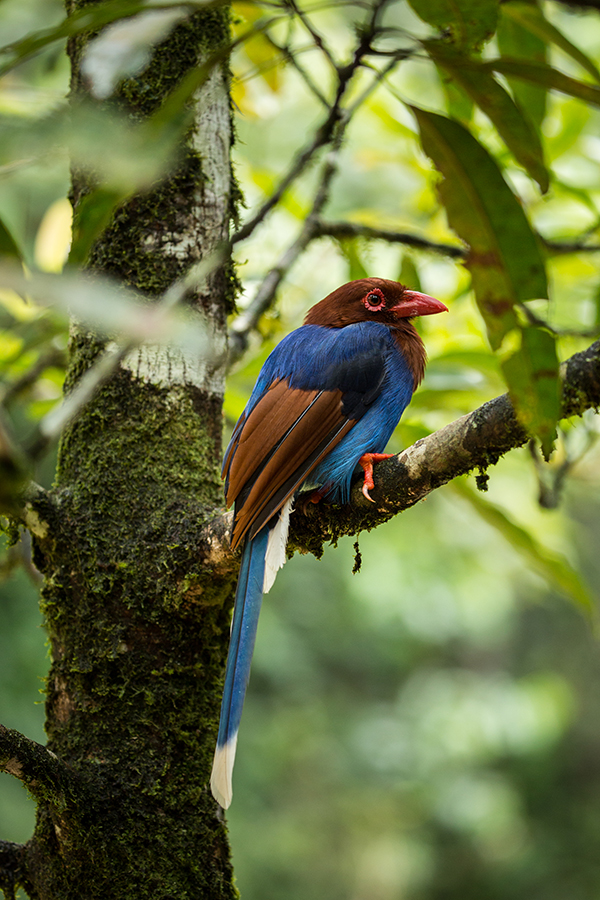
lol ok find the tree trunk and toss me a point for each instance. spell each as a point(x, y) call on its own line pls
point(136, 608)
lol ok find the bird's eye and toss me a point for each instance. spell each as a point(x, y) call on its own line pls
point(374, 301)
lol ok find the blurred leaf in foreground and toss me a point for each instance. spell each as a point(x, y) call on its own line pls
point(111, 308)
point(124, 48)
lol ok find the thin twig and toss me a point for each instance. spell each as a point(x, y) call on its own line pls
point(248, 319)
point(322, 136)
point(353, 229)
point(539, 322)
point(326, 130)
point(379, 77)
point(292, 57)
point(563, 248)
point(317, 38)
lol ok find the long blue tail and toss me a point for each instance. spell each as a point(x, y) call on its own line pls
point(248, 599)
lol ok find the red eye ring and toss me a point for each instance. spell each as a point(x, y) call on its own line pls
point(374, 301)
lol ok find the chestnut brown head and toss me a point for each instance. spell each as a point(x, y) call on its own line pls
point(371, 299)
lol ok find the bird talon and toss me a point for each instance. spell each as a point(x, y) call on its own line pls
point(365, 490)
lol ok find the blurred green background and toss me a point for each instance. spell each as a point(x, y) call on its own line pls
point(428, 728)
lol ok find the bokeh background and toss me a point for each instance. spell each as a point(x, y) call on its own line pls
point(427, 728)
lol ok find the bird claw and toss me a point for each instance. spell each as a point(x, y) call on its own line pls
point(365, 490)
point(366, 462)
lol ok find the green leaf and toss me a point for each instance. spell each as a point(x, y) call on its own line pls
point(515, 130)
point(91, 217)
point(505, 260)
point(89, 19)
point(531, 17)
point(123, 49)
point(8, 245)
point(123, 154)
point(356, 268)
point(459, 105)
point(409, 274)
point(111, 308)
point(516, 40)
point(538, 73)
point(531, 373)
point(554, 567)
point(469, 22)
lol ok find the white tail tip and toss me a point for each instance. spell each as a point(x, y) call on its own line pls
point(222, 771)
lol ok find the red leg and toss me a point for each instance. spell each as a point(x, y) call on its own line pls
point(366, 461)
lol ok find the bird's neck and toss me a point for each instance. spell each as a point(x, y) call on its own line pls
point(408, 341)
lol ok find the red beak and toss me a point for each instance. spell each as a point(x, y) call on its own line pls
point(415, 304)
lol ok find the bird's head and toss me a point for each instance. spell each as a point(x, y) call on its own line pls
point(372, 300)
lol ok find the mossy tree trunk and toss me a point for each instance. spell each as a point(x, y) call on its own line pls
point(136, 609)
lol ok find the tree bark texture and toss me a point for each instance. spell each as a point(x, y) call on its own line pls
point(136, 609)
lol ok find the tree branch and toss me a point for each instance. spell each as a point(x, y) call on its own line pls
point(348, 230)
point(292, 58)
point(13, 869)
point(474, 441)
point(342, 230)
point(44, 775)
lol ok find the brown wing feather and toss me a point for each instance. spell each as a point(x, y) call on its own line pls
point(280, 442)
point(269, 421)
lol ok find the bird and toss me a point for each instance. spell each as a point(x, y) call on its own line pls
point(325, 404)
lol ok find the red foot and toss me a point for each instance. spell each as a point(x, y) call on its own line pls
point(314, 497)
point(366, 462)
